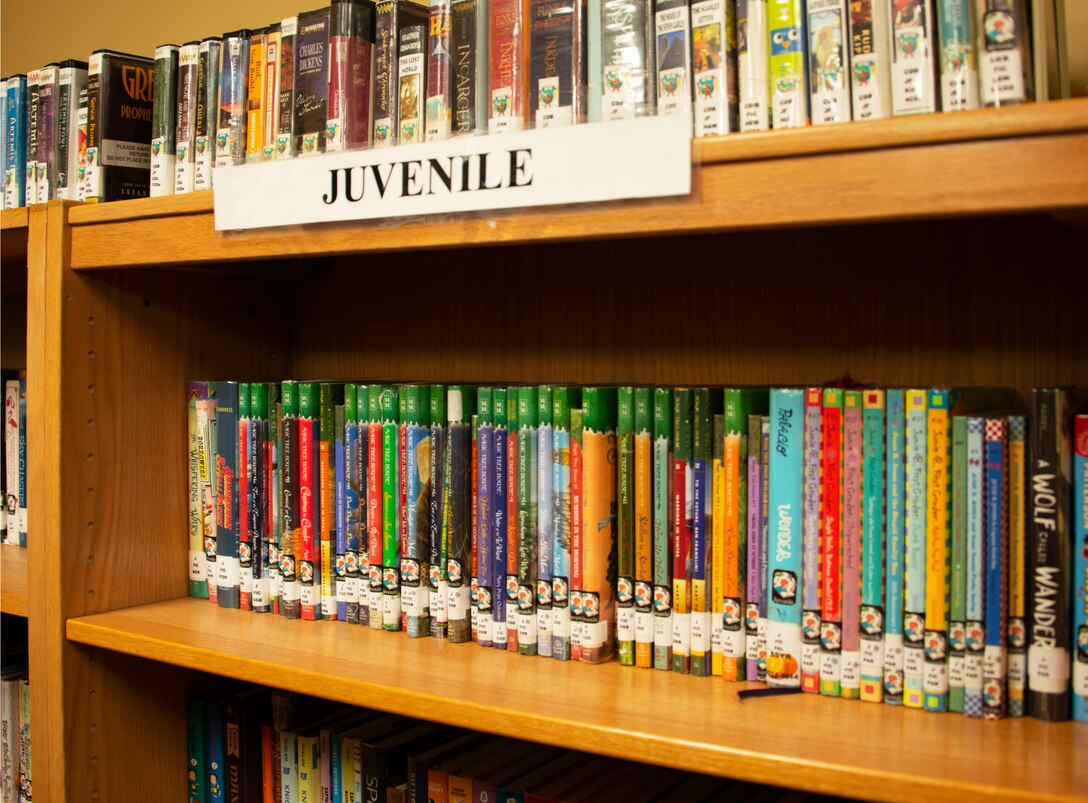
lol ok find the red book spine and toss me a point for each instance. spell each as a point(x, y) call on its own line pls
point(575, 539)
point(306, 478)
point(507, 65)
point(244, 535)
point(831, 528)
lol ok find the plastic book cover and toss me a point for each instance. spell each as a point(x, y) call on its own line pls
point(545, 519)
point(329, 397)
point(852, 512)
point(438, 520)
point(375, 506)
point(259, 468)
point(351, 46)
point(256, 94)
point(71, 136)
point(411, 84)
point(872, 549)
point(460, 403)
point(207, 113)
point(577, 531)
point(563, 398)
point(715, 554)
point(164, 120)
point(683, 480)
point(285, 87)
point(894, 545)
point(198, 567)
point(339, 451)
point(831, 547)
point(46, 132)
point(915, 564)
point(788, 46)
point(230, 132)
point(414, 561)
point(392, 16)
point(311, 82)
point(33, 105)
point(810, 580)
point(628, 59)
point(272, 62)
point(309, 489)
point(957, 600)
point(528, 497)
point(15, 124)
point(959, 70)
point(714, 66)
point(994, 666)
point(390, 520)
point(914, 46)
point(226, 495)
point(765, 545)
point(468, 46)
point(754, 548)
point(11, 460)
point(245, 546)
point(290, 526)
point(625, 525)
point(938, 541)
point(271, 496)
point(701, 548)
point(1017, 629)
point(753, 65)
point(557, 62)
point(185, 131)
point(207, 439)
point(828, 63)
point(1080, 563)
point(662, 528)
point(975, 567)
point(439, 99)
point(513, 520)
point(499, 524)
point(487, 586)
point(362, 467)
point(216, 767)
point(1004, 48)
point(195, 749)
point(508, 79)
point(599, 523)
point(644, 536)
point(870, 59)
point(354, 501)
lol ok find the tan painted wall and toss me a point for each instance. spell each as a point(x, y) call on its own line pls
point(28, 41)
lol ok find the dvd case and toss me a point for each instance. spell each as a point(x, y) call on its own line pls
point(207, 111)
point(185, 133)
point(118, 126)
point(351, 45)
point(164, 121)
point(311, 82)
point(439, 73)
point(71, 134)
point(628, 59)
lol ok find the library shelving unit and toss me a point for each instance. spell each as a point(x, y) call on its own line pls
point(938, 250)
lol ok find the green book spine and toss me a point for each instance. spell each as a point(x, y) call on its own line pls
point(957, 625)
point(375, 504)
point(528, 502)
point(544, 452)
point(625, 526)
point(599, 523)
point(391, 613)
point(662, 528)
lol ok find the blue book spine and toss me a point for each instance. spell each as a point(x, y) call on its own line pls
point(354, 526)
point(786, 547)
point(413, 563)
point(336, 769)
point(993, 666)
point(915, 567)
point(561, 544)
point(976, 577)
point(15, 142)
point(545, 530)
point(485, 589)
point(1080, 568)
point(213, 719)
point(872, 549)
point(894, 538)
point(341, 564)
point(227, 563)
point(498, 535)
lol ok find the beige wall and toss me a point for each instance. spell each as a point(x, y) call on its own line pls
point(28, 41)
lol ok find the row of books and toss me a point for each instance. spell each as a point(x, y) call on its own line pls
point(13, 473)
point(271, 747)
point(16, 782)
point(857, 543)
point(359, 74)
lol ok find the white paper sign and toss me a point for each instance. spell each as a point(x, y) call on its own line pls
point(644, 158)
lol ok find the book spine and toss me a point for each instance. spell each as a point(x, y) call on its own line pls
point(959, 73)
point(164, 122)
point(625, 526)
point(272, 60)
point(375, 507)
point(683, 480)
point(787, 460)
point(207, 115)
point(957, 605)
point(499, 522)
point(872, 549)
point(91, 188)
point(386, 66)
point(1017, 630)
point(557, 63)
point(274, 526)
point(196, 751)
point(326, 498)
point(831, 547)
point(439, 99)
point(528, 497)
point(468, 46)
point(975, 560)
point(390, 543)
point(245, 499)
point(459, 510)
point(21, 518)
point(260, 453)
point(507, 41)
point(702, 436)
point(289, 548)
point(788, 43)
point(852, 480)
point(997, 570)
point(311, 82)
point(1049, 554)
point(198, 577)
point(828, 64)
point(913, 67)
point(438, 557)
point(915, 565)
point(285, 118)
point(15, 91)
point(765, 545)
point(475, 530)
point(362, 464)
point(185, 131)
point(309, 488)
point(11, 460)
point(734, 533)
point(513, 520)
point(644, 544)
point(413, 562)
point(72, 83)
point(487, 583)
point(870, 59)
point(411, 83)
point(714, 62)
point(545, 519)
point(354, 500)
point(1080, 564)
point(662, 531)
point(894, 549)
point(938, 565)
point(562, 514)
point(672, 31)
point(753, 65)
point(256, 98)
point(754, 548)
point(309, 769)
point(48, 132)
point(577, 517)
point(206, 445)
point(715, 554)
point(810, 585)
point(226, 507)
point(230, 137)
point(599, 523)
point(340, 478)
point(33, 119)
point(351, 44)
point(1005, 73)
point(628, 71)
point(216, 767)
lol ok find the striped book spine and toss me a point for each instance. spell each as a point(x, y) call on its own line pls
point(662, 520)
point(683, 481)
point(486, 586)
point(997, 570)
point(810, 586)
point(644, 542)
point(545, 519)
point(975, 580)
point(915, 566)
point(894, 538)
point(957, 610)
point(561, 514)
point(872, 549)
point(831, 440)
point(375, 506)
point(1017, 642)
point(754, 549)
point(702, 439)
point(852, 478)
point(938, 541)
point(625, 525)
point(391, 602)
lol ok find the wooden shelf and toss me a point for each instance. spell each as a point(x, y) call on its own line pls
point(991, 161)
point(696, 724)
point(13, 582)
point(14, 229)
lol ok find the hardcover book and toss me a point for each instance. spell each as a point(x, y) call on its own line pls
point(625, 525)
point(644, 542)
point(682, 505)
point(545, 519)
point(226, 495)
point(528, 504)
point(938, 538)
point(810, 585)
point(1017, 630)
point(831, 551)
point(15, 158)
point(459, 407)
point(45, 133)
point(563, 399)
point(753, 65)
point(894, 547)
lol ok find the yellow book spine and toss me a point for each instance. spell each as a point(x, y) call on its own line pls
point(938, 552)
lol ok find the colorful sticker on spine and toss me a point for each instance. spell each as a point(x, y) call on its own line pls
point(993, 660)
point(714, 53)
point(506, 51)
point(438, 73)
point(870, 61)
point(852, 479)
point(789, 91)
point(915, 566)
point(410, 85)
point(959, 77)
point(894, 548)
point(913, 84)
point(206, 114)
point(829, 82)
point(831, 438)
point(673, 26)
point(662, 468)
point(810, 586)
point(1004, 53)
point(872, 549)
point(628, 78)
point(1017, 630)
point(938, 563)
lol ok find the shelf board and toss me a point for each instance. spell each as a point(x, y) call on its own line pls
point(1023, 159)
point(13, 583)
point(695, 724)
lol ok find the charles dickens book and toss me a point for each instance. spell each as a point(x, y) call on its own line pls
point(628, 80)
point(411, 81)
point(870, 59)
point(311, 81)
point(230, 137)
point(557, 62)
point(507, 74)
point(914, 39)
point(185, 133)
point(439, 64)
point(714, 66)
point(392, 16)
point(207, 115)
point(118, 126)
point(71, 136)
point(164, 120)
point(351, 44)
point(789, 88)
point(468, 48)
point(829, 77)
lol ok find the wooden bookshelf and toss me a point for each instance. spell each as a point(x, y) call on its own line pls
point(965, 272)
point(13, 585)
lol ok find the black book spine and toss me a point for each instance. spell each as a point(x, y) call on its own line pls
point(207, 106)
point(385, 74)
point(311, 81)
point(285, 124)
